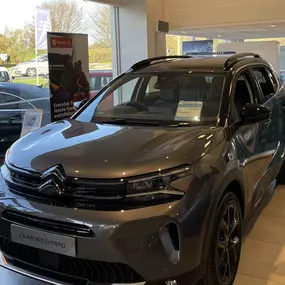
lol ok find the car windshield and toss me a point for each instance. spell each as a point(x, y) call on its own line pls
point(4, 76)
point(37, 58)
point(161, 97)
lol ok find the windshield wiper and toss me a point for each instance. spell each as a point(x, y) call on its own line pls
point(121, 121)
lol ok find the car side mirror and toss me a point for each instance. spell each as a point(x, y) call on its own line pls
point(78, 105)
point(13, 77)
point(253, 113)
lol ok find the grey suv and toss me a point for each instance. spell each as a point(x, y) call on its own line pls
point(153, 187)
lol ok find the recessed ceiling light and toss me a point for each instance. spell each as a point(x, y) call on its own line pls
point(272, 26)
point(183, 32)
point(219, 36)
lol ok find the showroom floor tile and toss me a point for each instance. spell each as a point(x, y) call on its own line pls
point(263, 252)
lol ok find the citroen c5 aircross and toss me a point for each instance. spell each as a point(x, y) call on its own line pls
point(151, 187)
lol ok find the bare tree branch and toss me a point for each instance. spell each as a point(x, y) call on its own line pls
point(66, 16)
point(100, 25)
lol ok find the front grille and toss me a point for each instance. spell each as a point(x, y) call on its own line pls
point(48, 225)
point(82, 193)
point(94, 271)
point(78, 192)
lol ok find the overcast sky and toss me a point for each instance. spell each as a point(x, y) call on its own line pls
point(14, 13)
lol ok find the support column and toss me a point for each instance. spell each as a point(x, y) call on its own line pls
point(134, 28)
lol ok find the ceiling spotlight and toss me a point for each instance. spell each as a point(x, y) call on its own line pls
point(219, 36)
point(183, 32)
point(272, 26)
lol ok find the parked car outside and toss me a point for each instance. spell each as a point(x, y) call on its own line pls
point(5, 75)
point(15, 99)
point(30, 68)
point(98, 79)
point(155, 189)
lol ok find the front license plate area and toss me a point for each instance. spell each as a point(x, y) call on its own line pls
point(43, 240)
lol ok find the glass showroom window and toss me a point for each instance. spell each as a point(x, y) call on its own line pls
point(50, 73)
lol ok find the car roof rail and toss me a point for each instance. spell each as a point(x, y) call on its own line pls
point(148, 61)
point(238, 57)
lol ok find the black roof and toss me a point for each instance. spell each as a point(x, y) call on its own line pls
point(205, 64)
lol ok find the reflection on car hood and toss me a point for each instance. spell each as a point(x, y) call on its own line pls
point(24, 91)
point(110, 151)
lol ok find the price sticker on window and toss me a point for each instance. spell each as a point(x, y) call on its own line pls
point(189, 111)
point(32, 121)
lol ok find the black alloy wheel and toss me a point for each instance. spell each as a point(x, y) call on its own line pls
point(225, 248)
point(228, 244)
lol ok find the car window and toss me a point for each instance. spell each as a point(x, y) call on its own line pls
point(105, 80)
point(273, 79)
point(161, 96)
point(45, 58)
point(8, 101)
point(4, 76)
point(243, 94)
point(92, 83)
point(264, 81)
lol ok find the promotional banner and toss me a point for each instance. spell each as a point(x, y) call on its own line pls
point(197, 46)
point(68, 72)
point(42, 26)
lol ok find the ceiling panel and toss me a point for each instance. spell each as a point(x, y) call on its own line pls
point(236, 32)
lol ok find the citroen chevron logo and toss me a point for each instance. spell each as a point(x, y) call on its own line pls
point(53, 181)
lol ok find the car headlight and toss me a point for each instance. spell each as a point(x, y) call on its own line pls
point(158, 186)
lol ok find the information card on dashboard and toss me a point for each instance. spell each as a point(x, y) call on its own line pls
point(189, 111)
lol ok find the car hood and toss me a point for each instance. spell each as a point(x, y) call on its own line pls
point(111, 151)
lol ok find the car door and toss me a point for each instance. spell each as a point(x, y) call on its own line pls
point(249, 139)
point(272, 132)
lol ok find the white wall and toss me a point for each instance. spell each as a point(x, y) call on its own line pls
point(137, 38)
point(268, 50)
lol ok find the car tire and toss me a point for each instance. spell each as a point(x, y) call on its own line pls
point(31, 72)
point(225, 244)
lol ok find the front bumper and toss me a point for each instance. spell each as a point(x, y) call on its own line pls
point(134, 238)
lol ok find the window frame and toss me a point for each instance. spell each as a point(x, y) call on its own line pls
point(251, 84)
point(267, 77)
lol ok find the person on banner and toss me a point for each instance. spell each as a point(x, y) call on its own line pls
point(82, 85)
point(67, 76)
point(62, 87)
point(73, 85)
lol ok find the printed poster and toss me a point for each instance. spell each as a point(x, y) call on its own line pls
point(68, 72)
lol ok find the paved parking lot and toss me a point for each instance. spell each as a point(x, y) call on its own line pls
point(263, 253)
